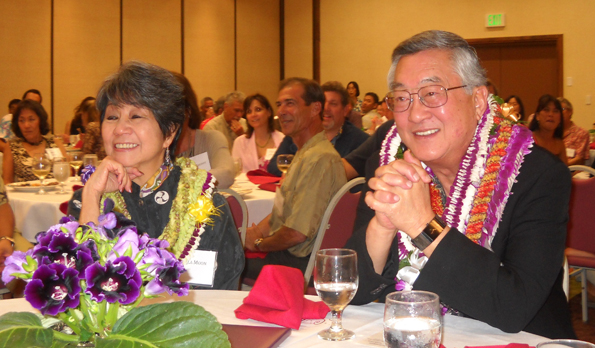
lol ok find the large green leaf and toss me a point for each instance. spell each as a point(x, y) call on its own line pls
point(23, 330)
point(177, 325)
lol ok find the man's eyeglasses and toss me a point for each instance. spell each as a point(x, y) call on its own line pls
point(433, 96)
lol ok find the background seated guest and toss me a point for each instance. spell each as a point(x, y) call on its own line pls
point(142, 111)
point(92, 141)
point(6, 121)
point(32, 94)
point(503, 266)
point(315, 175)
point(84, 113)
point(518, 108)
point(251, 148)
point(353, 91)
point(576, 139)
point(369, 112)
point(31, 130)
point(230, 123)
point(194, 142)
point(548, 128)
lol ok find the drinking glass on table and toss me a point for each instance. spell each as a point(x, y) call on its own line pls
point(41, 166)
point(90, 159)
point(237, 165)
point(61, 171)
point(412, 319)
point(76, 161)
point(283, 162)
point(336, 280)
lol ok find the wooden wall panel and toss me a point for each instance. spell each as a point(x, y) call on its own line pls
point(25, 55)
point(151, 32)
point(86, 51)
point(298, 39)
point(258, 47)
point(209, 46)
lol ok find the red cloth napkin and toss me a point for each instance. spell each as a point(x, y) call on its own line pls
point(268, 187)
point(255, 254)
point(261, 177)
point(510, 345)
point(277, 297)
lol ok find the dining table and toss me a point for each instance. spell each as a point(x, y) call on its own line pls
point(365, 321)
point(36, 213)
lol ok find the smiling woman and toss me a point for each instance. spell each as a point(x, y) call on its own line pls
point(142, 112)
point(30, 126)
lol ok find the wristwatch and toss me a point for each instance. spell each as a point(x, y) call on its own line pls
point(430, 233)
point(8, 239)
point(257, 243)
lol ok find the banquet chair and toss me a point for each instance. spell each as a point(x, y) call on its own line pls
point(239, 211)
point(336, 226)
point(580, 241)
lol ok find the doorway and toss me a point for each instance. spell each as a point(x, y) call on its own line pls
point(527, 66)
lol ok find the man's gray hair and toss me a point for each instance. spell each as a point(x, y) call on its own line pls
point(204, 100)
point(464, 58)
point(235, 96)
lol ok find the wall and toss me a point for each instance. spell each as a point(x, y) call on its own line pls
point(357, 38)
point(223, 44)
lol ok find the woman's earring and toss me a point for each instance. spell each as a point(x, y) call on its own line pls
point(167, 157)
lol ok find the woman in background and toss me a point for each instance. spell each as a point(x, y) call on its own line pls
point(517, 106)
point(547, 126)
point(262, 138)
point(353, 91)
point(84, 113)
point(31, 135)
point(92, 142)
point(194, 141)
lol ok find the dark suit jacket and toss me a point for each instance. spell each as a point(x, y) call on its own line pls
point(518, 285)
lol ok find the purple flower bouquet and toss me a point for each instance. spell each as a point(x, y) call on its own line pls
point(91, 278)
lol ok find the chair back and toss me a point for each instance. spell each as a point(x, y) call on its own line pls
point(337, 223)
point(581, 223)
point(239, 211)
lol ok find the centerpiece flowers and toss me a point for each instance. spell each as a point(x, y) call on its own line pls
point(87, 280)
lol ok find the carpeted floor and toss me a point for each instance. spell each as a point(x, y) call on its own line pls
point(584, 331)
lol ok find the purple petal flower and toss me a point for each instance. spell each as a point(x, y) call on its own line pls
point(53, 289)
point(86, 173)
point(127, 241)
point(70, 226)
point(108, 220)
point(58, 247)
point(168, 279)
point(118, 280)
point(401, 285)
point(14, 264)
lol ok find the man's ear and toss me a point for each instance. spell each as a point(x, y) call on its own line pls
point(480, 98)
point(316, 108)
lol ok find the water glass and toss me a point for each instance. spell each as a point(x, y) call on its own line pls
point(565, 344)
point(61, 171)
point(90, 159)
point(237, 165)
point(40, 166)
point(283, 162)
point(412, 319)
point(336, 280)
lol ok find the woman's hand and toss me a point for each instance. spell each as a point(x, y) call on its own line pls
point(402, 196)
point(110, 176)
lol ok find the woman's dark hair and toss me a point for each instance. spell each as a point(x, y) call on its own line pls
point(34, 106)
point(356, 87)
point(265, 103)
point(147, 86)
point(543, 102)
point(520, 102)
point(190, 102)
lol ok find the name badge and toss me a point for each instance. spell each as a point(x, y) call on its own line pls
point(570, 153)
point(269, 154)
point(202, 161)
point(53, 152)
point(200, 268)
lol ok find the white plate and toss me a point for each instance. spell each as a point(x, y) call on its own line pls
point(27, 186)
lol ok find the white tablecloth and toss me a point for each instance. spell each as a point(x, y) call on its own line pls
point(35, 213)
point(259, 202)
point(366, 321)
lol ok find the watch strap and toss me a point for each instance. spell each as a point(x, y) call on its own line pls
point(429, 233)
point(257, 243)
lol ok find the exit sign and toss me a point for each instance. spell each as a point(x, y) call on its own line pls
point(496, 20)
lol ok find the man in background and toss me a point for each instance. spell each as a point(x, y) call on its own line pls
point(230, 122)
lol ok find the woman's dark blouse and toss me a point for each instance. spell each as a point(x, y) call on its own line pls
point(151, 217)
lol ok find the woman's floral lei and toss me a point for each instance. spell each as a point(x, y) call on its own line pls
point(88, 276)
point(480, 190)
point(191, 210)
